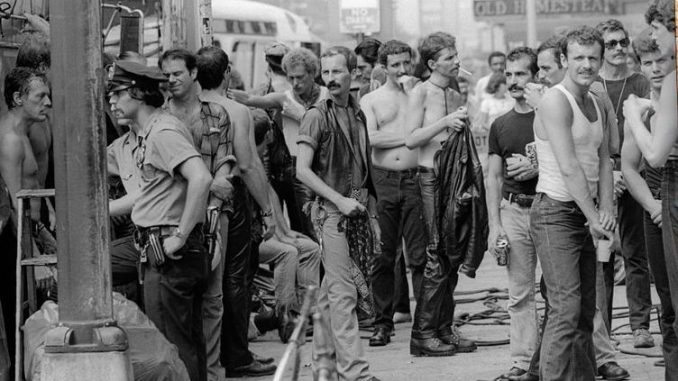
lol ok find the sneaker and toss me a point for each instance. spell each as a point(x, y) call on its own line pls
point(642, 338)
point(402, 317)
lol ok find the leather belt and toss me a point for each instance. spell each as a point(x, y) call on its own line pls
point(523, 200)
point(412, 172)
point(425, 170)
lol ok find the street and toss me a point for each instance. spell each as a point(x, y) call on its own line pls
point(394, 362)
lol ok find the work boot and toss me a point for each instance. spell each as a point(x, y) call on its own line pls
point(613, 372)
point(432, 347)
point(262, 359)
point(253, 369)
point(463, 345)
point(380, 337)
point(642, 338)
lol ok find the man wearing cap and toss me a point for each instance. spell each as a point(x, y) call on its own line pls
point(168, 210)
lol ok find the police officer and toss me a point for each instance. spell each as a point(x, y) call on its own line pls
point(168, 210)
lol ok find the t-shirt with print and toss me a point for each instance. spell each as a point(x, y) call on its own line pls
point(513, 133)
point(164, 144)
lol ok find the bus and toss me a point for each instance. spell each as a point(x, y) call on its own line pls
point(242, 28)
point(245, 28)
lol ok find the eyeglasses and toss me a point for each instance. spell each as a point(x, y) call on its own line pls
point(624, 42)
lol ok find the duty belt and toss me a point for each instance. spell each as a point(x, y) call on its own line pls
point(523, 200)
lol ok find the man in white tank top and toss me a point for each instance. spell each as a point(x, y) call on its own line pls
point(574, 170)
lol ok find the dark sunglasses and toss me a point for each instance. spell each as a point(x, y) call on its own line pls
point(624, 42)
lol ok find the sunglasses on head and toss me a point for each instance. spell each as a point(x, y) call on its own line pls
point(624, 42)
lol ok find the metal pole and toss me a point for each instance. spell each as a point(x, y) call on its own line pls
point(531, 23)
point(86, 343)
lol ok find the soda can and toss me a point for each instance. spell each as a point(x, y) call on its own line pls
point(531, 153)
point(501, 251)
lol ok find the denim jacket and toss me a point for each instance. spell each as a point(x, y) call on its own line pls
point(333, 160)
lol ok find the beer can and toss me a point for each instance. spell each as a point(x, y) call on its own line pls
point(501, 251)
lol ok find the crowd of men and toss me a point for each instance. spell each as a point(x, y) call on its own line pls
point(342, 188)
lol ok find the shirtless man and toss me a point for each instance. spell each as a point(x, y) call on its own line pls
point(213, 76)
point(395, 179)
point(433, 111)
point(34, 54)
point(28, 99)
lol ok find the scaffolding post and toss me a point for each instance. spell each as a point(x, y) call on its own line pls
point(87, 344)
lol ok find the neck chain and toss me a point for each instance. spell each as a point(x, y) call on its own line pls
point(444, 89)
point(621, 94)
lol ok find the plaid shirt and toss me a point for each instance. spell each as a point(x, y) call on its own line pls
point(212, 135)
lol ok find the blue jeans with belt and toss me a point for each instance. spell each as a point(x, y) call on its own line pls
point(568, 258)
point(669, 194)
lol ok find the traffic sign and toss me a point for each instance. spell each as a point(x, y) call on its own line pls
point(359, 16)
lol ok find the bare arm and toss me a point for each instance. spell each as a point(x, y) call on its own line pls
point(419, 135)
point(655, 146)
point(555, 115)
point(306, 175)
point(630, 165)
point(378, 139)
point(605, 178)
point(271, 100)
point(495, 181)
point(250, 166)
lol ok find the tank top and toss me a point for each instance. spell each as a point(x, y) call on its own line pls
point(587, 138)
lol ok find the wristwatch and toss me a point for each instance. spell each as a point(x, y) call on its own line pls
point(177, 233)
point(267, 213)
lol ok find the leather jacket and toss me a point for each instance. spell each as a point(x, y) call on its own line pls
point(462, 217)
point(334, 155)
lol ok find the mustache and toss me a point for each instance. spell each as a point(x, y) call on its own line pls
point(333, 84)
point(515, 86)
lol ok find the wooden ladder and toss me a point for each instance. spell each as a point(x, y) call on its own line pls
point(26, 259)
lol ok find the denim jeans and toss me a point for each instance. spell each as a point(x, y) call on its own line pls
point(635, 261)
point(213, 307)
point(173, 297)
point(434, 313)
point(568, 259)
point(669, 194)
point(655, 251)
point(235, 321)
point(522, 264)
point(296, 267)
point(400, 216)
point(602, 344)
point(338, 297)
